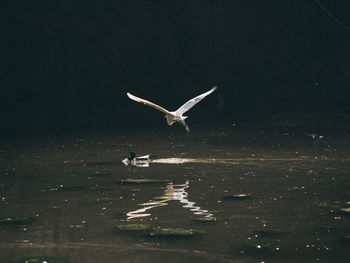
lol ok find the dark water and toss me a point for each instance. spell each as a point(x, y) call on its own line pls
point(69, 188)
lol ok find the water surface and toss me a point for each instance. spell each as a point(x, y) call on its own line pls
point(70, 187)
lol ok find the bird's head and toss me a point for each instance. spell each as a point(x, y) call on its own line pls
point(131, 156)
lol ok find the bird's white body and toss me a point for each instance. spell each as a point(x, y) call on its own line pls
point(175, 116)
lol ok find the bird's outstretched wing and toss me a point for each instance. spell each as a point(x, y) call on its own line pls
point(146, 102)
point(189, 104)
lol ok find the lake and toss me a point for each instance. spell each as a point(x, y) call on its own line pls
point(246, 193)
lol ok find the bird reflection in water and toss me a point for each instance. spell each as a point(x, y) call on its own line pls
point(172, 192)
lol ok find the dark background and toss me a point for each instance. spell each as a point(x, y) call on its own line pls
point(68, 66)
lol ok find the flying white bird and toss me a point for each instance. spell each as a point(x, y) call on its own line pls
point(175, 116)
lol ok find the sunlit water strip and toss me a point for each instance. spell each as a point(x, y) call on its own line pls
point(173, 192)
point(238, 160)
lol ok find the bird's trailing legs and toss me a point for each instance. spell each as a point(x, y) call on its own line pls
point(186, 126)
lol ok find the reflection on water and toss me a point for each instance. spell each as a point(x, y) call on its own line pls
point(172, 192)
point(229, 161)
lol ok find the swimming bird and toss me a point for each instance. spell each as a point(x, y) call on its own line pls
point(141, 161)
point(174, 116)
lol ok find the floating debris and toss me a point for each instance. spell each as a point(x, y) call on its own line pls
point(76, 227)
point(99, 174)
point(158, 231)
point(44, 260)
point(70, 188)
point(101, 188)
point(122, 145)
point(206, 219)
point(134, 227)
point(332, 230)
point(269, 232)
point(238, 196)
point(16, 221)
point(143, 181)
point(260, 248)
point(345, 210)
point(30, 177)
point(62, 188)
point(176, 232)
point(105, 199)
